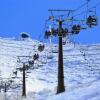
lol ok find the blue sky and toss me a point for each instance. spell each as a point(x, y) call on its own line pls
point(29, 16)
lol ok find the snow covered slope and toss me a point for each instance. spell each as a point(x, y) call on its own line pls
point(81, 71)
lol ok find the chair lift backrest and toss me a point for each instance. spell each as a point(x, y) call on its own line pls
point(76, 29)
point(31, 62)
point(41, 47)
point(47, 34)
point(92, 18)
point(65, 32)
point(54, 32)
point(91, 21)
point(35, 56)
point(15, 72)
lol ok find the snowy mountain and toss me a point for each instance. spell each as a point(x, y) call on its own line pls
point(81, 71)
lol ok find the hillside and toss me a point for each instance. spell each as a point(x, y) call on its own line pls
point(81, 71)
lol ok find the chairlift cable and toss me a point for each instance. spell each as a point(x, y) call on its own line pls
point(87, 60)
point(80, 7)
point(84, 12)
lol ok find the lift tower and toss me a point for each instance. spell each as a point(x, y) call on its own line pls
point(73, 26)
point(60, 87)
point(60, 32)
point(24, 61)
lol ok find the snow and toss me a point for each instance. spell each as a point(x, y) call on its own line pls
point(89, 91)
point(81, 71)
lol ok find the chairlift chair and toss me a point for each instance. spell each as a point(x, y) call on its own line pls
point(47, 34)
point(17, 77)
point(76, 29)
point(13, 77)
point(91, 21)
point(20, 84)
point(62, 32)
point(28, 72)
point(11, 81)
point(35, 56)
point(41, 47)
point(54, 31)
point(31, 62)
point(65, 32)
point(49, 55)
point(15, 72)
point(55, 49)
point(20, 69)
point(92, 18)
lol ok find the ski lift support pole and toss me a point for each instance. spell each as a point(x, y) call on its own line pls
point(24, 82)
point(24, 74)
point(60, 87)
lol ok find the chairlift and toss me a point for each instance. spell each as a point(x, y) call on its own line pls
point(35, 56)
point(26, 67)
point(65, 32)
point(17, 77)
point(2, 86)
point(92, 19)
point(54, 31)
point(20, 84)
point(76, 29)
point(13, 77)
point(15, 72)
point(47, 34)
point(84, 55)
point(41, 47)
point(20, 69)
point(31, 62)
point(26, 77)
point(55, 49)
point(49, 55)
point(28, 72)
point(11, 81)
